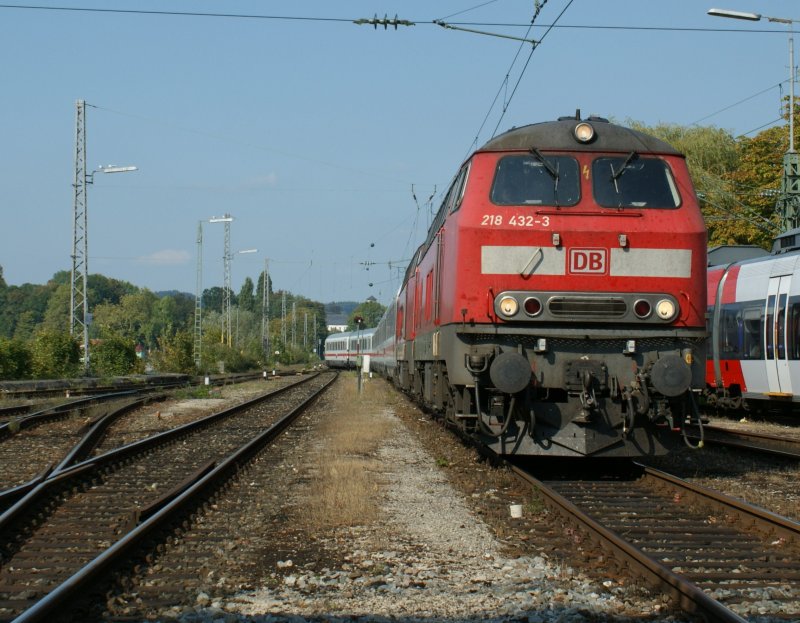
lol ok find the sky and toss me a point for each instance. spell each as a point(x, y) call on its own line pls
point(324, 139)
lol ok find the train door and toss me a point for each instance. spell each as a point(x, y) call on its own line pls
point(776, 335)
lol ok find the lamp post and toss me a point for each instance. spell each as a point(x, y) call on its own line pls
point(788, 204)
point(79, 316)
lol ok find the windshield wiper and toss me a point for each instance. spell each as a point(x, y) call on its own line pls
point(549, 167)
point(553, 171)
point(615, 175)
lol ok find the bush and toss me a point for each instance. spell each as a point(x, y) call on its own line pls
point(114, 356)
point(55, 355)
point(15, 360)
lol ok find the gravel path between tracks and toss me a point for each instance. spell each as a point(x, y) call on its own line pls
point(441, 547)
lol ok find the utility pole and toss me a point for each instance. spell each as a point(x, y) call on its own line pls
point(79, 316)
point(198, 300)
point(265, 310)
point(79, 301)
point(226, 336)
point(226, 288)
point(283, 318)
point(305, 331)
point(788, 204)
point(294, 323)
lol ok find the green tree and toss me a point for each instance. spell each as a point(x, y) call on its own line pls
point(131, 318)
point(757, 182)
point(15, 360)
point(57, 314)
point(55, 355)
point(371, 312)
point(114, 356)
point(246, 299)
point(175, 354)
point(212, 299)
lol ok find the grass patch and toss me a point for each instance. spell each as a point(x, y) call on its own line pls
point(199, 392)
point(345, 490)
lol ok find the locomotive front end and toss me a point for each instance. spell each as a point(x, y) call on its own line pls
point(570, 294)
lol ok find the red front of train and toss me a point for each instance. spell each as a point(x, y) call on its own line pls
point(558, 303)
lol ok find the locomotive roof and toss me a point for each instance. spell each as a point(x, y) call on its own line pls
point(559, 135)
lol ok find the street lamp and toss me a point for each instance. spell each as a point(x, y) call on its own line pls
point(79, 292)
point(789, 201)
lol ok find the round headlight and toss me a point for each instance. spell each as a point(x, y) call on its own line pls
point(666, 309)
point(532, 306)
point(508, 306)
point(584, 132)
point(642, 308)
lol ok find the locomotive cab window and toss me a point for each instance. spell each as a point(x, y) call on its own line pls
point(536, 180)
point(634, 182)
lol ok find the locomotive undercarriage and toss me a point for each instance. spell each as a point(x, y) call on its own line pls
point(581, 397)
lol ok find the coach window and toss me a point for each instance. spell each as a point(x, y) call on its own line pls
point(634, 182)
point(752, 333)
point(729, 332)
point(794, 331)
point(536, 180)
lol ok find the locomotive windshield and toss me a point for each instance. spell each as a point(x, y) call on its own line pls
point(536, 180)
point(633, 182)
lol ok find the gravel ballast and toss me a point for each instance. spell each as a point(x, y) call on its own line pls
point(443, 546)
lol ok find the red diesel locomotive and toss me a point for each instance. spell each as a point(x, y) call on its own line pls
point(557, 306)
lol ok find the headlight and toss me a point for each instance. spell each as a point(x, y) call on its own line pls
point(508, 306)
point(666, 309)
point(642, 308)
point(533, 306)
point(584, 132)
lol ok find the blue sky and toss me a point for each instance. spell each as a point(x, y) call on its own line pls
point(313, 133)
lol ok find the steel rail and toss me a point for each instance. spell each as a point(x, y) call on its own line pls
point(93, 435)
point(81, 583)
point(690, 598)
point(758, 442)
point(28, 501)
point(778, 524)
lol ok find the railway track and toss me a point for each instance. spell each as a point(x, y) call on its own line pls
point(785, 446)
point(43, 440)
point(715, 555)
point(82, 519)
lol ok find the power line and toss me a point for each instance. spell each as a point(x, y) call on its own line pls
point(350, 20)
point(522, 73)
point(477, 6)
point(742, 101)
point(504, 83)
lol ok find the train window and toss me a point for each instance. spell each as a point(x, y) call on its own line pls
point(428, 294)
point(729, 334)
point(634, 182)
point(459, 187)
point(528, 180)
point(753, 333)
point(794, 331)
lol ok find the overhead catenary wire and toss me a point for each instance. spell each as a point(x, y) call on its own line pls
point(522, 73)
point(351, 20)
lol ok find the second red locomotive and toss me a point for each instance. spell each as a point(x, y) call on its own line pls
point(557, 306)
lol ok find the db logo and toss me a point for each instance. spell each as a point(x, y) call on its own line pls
point(592, 261)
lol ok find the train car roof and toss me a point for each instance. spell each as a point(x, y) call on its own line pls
point(560, 135)
point(731, 253)
point(341, 334)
